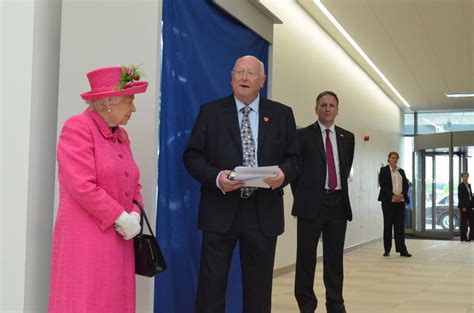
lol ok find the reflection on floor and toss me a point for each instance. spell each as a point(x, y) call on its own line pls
point(439, 278)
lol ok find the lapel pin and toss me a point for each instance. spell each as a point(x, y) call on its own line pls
point(266, 119)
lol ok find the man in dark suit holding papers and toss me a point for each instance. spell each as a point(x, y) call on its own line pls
point(321, 204)
point(249, 130)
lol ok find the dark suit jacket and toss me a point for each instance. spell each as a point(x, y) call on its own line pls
point(215, 145)
point(386, 187)
point(309, 186)
point(463, 196)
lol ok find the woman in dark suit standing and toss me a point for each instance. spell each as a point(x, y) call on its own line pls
point(393, 195)
point(465, 208)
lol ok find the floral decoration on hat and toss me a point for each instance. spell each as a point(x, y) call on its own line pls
point(129, 75)
point(116, 81)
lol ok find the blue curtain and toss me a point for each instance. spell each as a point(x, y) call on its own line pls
point(200, 45)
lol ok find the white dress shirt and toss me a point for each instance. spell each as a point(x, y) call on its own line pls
point(397, 181)
point(332, 137)
point(253, 118)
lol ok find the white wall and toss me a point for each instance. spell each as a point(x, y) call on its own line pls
point(111, 33)
point(17, 48)
point(307, 61)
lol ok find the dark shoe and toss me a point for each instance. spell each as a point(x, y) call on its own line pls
point(386, 254)
point(467, 240)
point(405, 254)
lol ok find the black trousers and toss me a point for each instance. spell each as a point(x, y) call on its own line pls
point(332, 225)
point(394, 216)
point(257, 255)
point(466, 224)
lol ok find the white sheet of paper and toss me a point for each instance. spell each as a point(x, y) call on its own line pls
point(254, 176)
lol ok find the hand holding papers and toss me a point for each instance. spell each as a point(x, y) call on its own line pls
point(254, 176)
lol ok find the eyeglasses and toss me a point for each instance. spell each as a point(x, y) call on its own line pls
point(250, 74)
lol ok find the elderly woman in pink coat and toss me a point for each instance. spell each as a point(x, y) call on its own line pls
point(93, 267)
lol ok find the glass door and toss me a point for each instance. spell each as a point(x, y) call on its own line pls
point(440, 200)
point(438, 161)
point(434, 213)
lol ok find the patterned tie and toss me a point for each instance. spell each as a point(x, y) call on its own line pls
point(332, 179)
point(248, 147)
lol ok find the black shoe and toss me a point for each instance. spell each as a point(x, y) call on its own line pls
point(386, 254)
point(405, 254)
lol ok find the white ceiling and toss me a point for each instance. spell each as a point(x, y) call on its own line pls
point(424, 47)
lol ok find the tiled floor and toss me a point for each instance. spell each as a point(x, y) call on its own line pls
point(439, 278)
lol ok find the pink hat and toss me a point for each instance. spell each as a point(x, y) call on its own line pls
point(114, 81)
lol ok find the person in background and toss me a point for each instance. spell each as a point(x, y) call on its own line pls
point(243, 129)
point(393, 195)
point(92, 265)
point(322, 204)
point(465, 208)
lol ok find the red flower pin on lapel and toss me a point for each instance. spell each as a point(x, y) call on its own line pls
point(266, 119)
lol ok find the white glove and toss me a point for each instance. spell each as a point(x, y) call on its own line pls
point(128, 225)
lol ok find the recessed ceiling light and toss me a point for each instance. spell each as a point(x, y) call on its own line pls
point(354, 44)
point(459, 94)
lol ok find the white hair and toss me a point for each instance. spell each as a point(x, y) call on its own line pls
point(103, 103)
point(260, 63)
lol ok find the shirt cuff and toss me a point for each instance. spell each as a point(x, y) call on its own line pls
point(217, 182)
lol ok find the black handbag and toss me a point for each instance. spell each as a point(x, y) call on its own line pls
point(149, 260)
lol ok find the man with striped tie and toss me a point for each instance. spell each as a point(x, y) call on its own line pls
point(243, 129)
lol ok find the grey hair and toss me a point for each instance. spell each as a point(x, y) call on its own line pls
point(103, 104)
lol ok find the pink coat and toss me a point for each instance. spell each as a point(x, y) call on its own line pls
point(92, 266)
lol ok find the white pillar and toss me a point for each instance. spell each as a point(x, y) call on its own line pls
point(30, 66)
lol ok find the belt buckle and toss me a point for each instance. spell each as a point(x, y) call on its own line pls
point(330, 191)
point(242, 194)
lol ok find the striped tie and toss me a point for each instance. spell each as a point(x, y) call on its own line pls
point(248, 147)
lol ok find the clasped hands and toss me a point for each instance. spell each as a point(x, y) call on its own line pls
point(398, 198)
point(228, 185)
point(128, 225)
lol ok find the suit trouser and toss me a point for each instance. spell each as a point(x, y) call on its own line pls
point(332, 224)
point(257, 255)
point(394, 215)
point(466, 223)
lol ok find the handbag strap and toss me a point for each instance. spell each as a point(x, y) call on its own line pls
point(143, 215)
